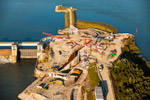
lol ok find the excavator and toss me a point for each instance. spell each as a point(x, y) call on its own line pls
point(50, 68)
point(43, 61)
point(55, 81)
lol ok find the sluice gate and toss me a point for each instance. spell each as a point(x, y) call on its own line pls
point(15, 52)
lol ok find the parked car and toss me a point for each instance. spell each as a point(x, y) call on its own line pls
point(101, 67)
point(114, 51)
point(110, 63)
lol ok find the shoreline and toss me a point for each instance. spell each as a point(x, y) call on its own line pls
point(63, 63)
point(137, 64)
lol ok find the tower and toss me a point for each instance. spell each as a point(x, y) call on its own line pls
point(14, 49)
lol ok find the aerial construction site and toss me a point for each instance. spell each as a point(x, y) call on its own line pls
point(62, 68)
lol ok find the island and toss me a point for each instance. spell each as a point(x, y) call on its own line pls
point(82, 63)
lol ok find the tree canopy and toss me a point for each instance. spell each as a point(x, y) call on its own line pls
point(130, 74)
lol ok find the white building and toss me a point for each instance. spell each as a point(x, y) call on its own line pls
point(99, 93)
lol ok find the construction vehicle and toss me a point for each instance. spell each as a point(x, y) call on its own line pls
point(46, 87)
point(50, 68)
point(41, 85)
point(43, 61)
point(114, 51)
point(111, 56)
point(110, 63)
point(101, 67)
point(76, 71)
point(55, 81)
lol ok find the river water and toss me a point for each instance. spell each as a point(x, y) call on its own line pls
point(25, 20)
point(14, 78)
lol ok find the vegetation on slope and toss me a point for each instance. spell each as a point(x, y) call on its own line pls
point(67, 15)
point(91, 95)
point(73, 17)
point(97, 25)
point(85, 24)
point(130, 78)
point(94, 80)
point(131, 47)
point(67, 19)
point(62, 7)
point(131, 52)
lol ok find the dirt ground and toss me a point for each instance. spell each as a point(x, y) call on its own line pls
point(106, 84)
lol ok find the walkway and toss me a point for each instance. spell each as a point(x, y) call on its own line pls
point(19, 44)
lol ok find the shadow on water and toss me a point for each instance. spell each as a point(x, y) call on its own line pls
point(14, 78)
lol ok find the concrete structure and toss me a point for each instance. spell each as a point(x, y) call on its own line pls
point(14, 53)
point(27, 53)
point(72, 18)
point(19, 44)
point(39, 48)
point(99, 93)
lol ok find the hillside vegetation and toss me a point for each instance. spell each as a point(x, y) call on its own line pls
point(85, 24)
point(63, 8)
point(97, 25)
point(131, 74)
point(94, 81)
point(67, 20)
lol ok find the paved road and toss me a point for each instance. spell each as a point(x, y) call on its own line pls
point(104, 75)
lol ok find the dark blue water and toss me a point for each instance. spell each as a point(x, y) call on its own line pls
point(14, 78)
point(25, 20)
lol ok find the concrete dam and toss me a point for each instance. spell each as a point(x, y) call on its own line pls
point(15, 52)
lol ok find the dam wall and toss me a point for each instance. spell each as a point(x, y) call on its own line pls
point(16, 53)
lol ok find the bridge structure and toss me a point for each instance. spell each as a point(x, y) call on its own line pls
point(15, 52)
